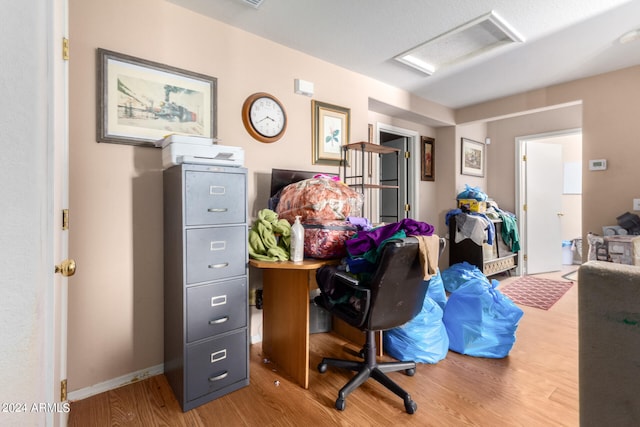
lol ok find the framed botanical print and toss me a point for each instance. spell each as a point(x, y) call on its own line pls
point(330, 131)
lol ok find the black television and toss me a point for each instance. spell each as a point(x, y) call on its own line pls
point(280, 178)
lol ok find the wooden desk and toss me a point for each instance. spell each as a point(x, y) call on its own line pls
point(285, 333)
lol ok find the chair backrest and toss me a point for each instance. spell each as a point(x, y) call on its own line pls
point(397, 287)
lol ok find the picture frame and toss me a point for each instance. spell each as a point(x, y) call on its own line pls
point(140, 102)
point(427, 159)
point(330, 128)
point(472, 157)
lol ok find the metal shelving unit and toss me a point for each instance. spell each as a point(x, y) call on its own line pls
point(357, 178)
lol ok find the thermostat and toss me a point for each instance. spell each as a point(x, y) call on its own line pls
point(598, 165)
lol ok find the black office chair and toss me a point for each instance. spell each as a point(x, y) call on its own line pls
point(393, 296)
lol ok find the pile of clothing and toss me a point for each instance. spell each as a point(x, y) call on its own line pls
point(478, 226)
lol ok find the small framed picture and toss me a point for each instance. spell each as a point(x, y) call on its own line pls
point(472, 158)
point(330, 131)
point(427, 159)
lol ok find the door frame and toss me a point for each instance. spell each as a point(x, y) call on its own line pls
point(520, 176)
point(413, 165)
point(57, 199)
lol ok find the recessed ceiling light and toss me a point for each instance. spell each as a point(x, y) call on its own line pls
point(629, 36)
point(466, 41)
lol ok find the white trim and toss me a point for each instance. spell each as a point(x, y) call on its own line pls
point(414, 165)
point(114, 383)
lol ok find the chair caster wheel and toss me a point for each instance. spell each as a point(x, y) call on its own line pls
point(410, 406)
point(322, 368)
point(340, 404)
point(410, 372)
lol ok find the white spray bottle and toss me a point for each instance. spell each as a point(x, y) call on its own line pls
point(297, 241)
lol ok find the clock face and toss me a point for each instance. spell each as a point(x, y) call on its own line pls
point(264, 117)
point(267, 116)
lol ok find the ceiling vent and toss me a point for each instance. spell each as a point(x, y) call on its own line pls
point(464, 42)
point(253, 3)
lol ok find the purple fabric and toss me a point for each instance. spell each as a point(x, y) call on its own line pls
point(367, 240)
point(360, 222)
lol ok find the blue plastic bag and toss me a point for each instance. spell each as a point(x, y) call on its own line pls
point(435, 291)
point(472, 193)
point(480, 320)
point(460, 273)
point(423, 339)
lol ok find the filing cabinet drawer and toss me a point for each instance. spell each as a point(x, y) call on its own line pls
point(216, 253)
point(215, 198)
point(216, 363)
point(216, 308)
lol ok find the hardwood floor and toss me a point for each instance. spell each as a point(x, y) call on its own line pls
point(536, 385)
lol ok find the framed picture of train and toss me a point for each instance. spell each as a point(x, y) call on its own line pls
point(140, 101)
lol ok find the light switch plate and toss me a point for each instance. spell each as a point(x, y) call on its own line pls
point(636, 204)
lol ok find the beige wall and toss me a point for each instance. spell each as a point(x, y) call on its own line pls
point(115, 301)
point(610, 103)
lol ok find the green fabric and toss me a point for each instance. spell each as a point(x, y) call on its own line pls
point(373, 254)
point(264, 245)
point(510, 232)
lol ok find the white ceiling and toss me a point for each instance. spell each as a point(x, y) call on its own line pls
point(564, 39)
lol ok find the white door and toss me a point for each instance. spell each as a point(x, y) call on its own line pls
point(543, 199)
point(57, 350)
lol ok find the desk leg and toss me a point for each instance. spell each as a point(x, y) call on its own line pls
point(285, 335)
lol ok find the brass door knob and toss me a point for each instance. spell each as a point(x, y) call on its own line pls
point(66, 268)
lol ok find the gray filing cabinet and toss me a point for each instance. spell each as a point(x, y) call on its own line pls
point(206, 338)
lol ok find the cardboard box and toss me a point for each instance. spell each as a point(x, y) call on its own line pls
point(623, 249)
point(473, 205)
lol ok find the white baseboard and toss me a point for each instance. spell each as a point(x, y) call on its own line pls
point(114, 383)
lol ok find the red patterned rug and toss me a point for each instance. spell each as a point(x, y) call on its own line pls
point(535, 291)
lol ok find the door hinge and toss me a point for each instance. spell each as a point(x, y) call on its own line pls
point(407, 154)
point(524, 158)
point(63, 390)
point(65, 219)
point(65, 48)
point(407, 207)
point(524, 207)
point(524, 257)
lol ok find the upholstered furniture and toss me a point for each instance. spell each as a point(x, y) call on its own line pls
point(609, 344)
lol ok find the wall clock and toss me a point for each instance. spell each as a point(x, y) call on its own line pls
point(264, 117)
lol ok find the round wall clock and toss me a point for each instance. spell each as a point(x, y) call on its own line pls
point(264, 117)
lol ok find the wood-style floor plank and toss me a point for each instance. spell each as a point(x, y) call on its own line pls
point(536, 385)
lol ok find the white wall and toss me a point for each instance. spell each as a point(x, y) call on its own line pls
point(25, 259)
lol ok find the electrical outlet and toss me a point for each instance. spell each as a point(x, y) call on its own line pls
point(636, 204)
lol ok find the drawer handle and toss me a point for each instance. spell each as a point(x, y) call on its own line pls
point(219, 377)
point(216, 210)
point(219, 300)
point(218, 356)
point(217, 190)
point(218, 321)
point(222, 265)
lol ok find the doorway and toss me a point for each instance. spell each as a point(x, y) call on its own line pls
point(396, 204)
point(548, 197)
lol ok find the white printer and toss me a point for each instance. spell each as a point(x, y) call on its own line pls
point(177, 149)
